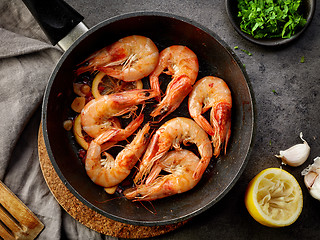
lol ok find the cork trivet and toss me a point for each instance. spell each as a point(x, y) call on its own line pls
point(84, 214)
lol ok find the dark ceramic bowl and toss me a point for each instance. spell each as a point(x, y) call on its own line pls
point(307, 9)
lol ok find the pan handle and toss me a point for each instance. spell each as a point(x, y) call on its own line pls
point(56, 18)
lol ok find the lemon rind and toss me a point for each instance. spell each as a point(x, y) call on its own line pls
point(77, 131)
point(257, 213)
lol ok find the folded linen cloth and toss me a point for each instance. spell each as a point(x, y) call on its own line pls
point(26, 62)
point(25, 66)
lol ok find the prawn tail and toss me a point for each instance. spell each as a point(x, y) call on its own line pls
point(154, 84)
point(201, 167)
point(217, 148)
point(205, 125)
point(225, 135)
point(217, 142)
point(223, 120)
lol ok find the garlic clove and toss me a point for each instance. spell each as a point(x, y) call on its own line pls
point(309, 179)
point(315, 167)
point(295, 155)
point(111, 190)
point(315, 189)
point(312, 178)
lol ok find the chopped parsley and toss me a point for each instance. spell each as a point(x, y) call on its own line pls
point(247, 52)
point(270, 18)
point(243, 50)
point(302, 59)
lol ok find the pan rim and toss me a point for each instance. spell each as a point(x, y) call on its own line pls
point(45, 129)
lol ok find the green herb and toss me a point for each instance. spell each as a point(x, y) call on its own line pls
point(302, 59)
point(274, 91)
point(243, 50)
point(270, 18)
point(246, 51)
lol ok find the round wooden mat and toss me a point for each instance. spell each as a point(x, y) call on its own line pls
point(84, 214)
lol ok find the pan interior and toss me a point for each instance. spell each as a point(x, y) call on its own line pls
point(214, 59)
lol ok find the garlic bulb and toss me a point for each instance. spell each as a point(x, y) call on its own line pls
point(312, 178)
point(296, 155)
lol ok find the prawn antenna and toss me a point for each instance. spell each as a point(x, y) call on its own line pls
point(154, 212)
point(116, 145)
point(111, 199)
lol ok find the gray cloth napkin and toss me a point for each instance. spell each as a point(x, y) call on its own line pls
point(26, 62)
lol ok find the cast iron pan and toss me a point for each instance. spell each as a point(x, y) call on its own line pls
point(215, 58)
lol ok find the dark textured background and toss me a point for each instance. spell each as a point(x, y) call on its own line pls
point(287, 103)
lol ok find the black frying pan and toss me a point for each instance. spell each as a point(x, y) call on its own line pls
point(215, 58)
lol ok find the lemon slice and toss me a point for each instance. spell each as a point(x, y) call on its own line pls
point(103, 84)
point(78, 134)
point(83, 139)
point(274, 198)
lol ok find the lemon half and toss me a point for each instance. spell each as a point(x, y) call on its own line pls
point(274, 198)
